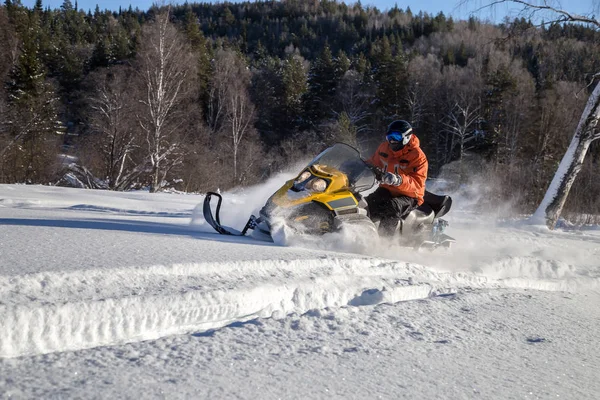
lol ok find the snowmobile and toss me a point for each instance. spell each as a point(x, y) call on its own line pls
point(327, 196)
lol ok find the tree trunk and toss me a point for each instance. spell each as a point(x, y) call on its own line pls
point(154, 184)
point(551, 206)
point(235, 157)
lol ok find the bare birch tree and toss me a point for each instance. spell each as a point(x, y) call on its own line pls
point(166, 68)
point(461, 109)
point(231, 82)
point(461, 122)
point(240, 116)
point(111, 121)
point(223, 72)
point(587, 131)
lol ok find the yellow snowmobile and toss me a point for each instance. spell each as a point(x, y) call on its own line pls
point(326, 196)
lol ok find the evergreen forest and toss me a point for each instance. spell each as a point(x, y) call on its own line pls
point(207, 96)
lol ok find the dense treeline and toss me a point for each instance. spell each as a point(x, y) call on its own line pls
point(202, 96)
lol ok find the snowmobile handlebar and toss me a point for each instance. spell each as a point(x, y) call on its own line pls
point(376, 170)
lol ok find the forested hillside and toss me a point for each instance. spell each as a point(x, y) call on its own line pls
point(204, 96)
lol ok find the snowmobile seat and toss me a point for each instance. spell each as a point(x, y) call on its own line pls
point(439, 204)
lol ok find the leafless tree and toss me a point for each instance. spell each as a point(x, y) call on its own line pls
point(424, 77)
point(546, 11)
point(353, 100)
point(231, 82)
point(415, 103)
point(460, 108)
point(554, 130)
point(587, 131)
point(240, 116)
point(223, 72)
point(461, 122)
point(166, 69)
point(114, 131)
point(519, 105)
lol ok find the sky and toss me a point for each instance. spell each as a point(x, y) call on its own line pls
point(448, 7)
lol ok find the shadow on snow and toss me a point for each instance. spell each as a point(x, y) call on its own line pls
point(132, 226)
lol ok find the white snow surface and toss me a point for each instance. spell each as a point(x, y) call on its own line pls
point(128, 295)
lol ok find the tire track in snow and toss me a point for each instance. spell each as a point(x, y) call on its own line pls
point(54, 312)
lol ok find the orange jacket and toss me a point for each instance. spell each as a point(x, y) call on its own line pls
point(409, 162)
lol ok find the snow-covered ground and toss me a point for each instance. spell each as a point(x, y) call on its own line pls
point(122, 295)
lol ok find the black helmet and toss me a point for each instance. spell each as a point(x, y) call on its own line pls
point(398, 134)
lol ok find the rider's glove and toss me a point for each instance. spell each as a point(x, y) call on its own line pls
point(392, 179)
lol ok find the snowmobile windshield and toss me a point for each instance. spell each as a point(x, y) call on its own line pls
point(346, 159)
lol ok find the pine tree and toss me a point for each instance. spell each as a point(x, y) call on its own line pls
point(322, 84)
point(67, 6)
point(34, 142)
point(342, 65)
point(101, 56)
point(201, 48)
point(28, 76)
point(295, 82)
point(391, 79)
point(343, 130)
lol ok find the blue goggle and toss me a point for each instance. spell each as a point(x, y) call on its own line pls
point(395, 136)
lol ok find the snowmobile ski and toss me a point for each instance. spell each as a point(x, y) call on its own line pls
point(215, 221)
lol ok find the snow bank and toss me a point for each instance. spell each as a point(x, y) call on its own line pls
point(52, 312)
point(59, 311)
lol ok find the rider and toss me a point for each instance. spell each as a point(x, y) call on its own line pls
point(402, 187)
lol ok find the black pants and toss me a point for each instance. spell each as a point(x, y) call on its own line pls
point(388, 210)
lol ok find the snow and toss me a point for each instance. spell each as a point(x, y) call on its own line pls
point(131, 294)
